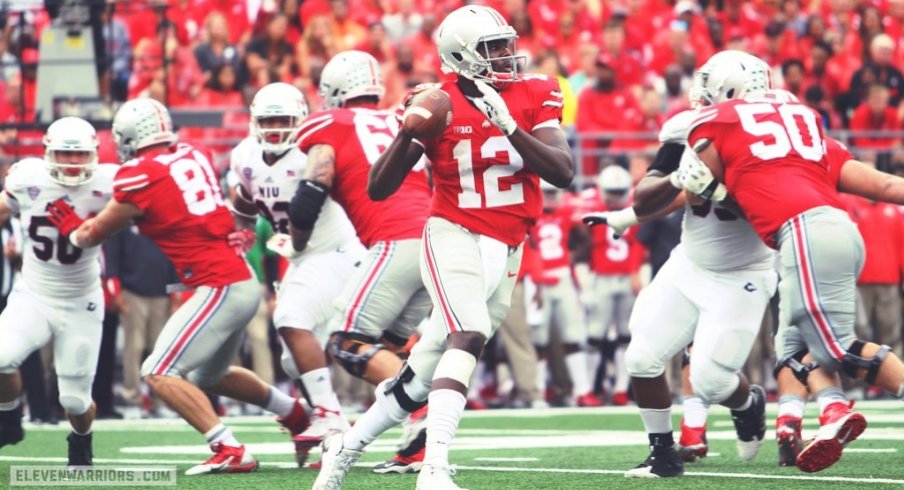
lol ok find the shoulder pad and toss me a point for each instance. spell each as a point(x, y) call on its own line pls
point(676, 128)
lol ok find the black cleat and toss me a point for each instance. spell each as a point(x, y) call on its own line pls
point(661, 463)
point(750, 425)
point(80, 450)
point(11, 431)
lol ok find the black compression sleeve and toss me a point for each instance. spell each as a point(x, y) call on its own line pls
point(667, 158)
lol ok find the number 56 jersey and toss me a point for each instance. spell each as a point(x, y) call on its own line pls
point(480, 181)
point(52, 266)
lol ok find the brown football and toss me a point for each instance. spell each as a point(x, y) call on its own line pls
point(429, 114)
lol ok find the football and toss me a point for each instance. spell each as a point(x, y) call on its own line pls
point(429, 114)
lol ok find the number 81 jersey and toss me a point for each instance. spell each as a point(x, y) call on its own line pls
point(51, 265)
point(480, 180)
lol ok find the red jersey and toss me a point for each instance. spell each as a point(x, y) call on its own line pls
point(774, 158)
point(184, 214)
point(359, 136)
point(609, 255)
point(480, 181)
point(551, 236)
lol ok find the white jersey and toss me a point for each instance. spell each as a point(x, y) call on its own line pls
point(51, 265)
point(271, 187)
point(713, 237)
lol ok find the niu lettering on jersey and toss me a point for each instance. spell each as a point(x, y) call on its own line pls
point(184, 214)
point(776, 164)
point(481, 182)
point(358, 137)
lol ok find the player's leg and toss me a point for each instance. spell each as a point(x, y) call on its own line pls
point(692, 443)
point(599, 317)
point(192, 338)
point(623, 304)
point(134, 324)
point(731, 314)
point(662, 324)
point(570, 318)
point(540, 333)
point(24, 329)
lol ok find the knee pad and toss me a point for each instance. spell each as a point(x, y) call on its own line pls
point(712, 382)
point(456, 364)
point(853, 362)
point(642, 364)
point(353, 351)
point(408, 390)
point(287, 362)
point(795, 363)
point(75, 393)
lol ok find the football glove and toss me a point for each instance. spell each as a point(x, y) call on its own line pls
point(619, 220)
point(63, 217)
point(695, 177)
point(281, 243)
point(242, 240)
point(493, 107)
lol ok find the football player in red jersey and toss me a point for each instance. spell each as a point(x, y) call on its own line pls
point(169, 189)
point(385, 301)
point(773, 158)
point(560, 243)
point(504, 136)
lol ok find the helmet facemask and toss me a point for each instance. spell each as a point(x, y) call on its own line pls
point(276, 133)
point(499, 69)
point(71, 167)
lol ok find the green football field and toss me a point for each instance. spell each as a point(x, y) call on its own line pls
point(494, 449)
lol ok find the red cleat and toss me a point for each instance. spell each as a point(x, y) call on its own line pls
point(620, 399)
point(226, 459)
point(692, 444)
point(297, 421)
point(839, 426)
point(789, 440)
point(589, 400)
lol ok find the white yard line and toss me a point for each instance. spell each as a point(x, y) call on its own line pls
point(870, 450)
point(507, 460)
point(501, 469)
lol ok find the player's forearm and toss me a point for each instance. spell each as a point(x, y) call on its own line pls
point(300, 238)
point(552, 163)
point(653, 193)
point(88, 235)
point(391, 168)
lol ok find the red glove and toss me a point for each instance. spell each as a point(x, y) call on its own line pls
point(63, 217)
point(242, 240)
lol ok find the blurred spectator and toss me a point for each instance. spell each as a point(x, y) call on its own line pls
point(669, 46)
point(876, 115)
point(589, 53)
point(741, 20)
point(405, 21)
point(601, 108)
point(822, 70)
point(548, 64)
point(528, 44)
point(8, 61)
point(347, 32)
point(793, 77)
point(316, 47)
point(398, 76)
point(857, 42)
point(672, 89)
point(119, 49)
point(627, 63)
point(215, 49)
point(423, 46)
point(376, 43)
point(814, 32)
point(879, 65)
point(222, 89)
point(648, 119)
point(815, 98)
point(270, 50)
point(776, 44)
point(795, 19)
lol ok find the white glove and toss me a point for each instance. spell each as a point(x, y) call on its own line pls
point(619, 220)
point(695, 177)
point(282, 245)
point(493, 107)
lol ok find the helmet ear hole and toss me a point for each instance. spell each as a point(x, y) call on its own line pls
point(730, 94)
point(458, 57)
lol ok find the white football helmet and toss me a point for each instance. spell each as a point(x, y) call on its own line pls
point(729, 75)
point(350, 74)
point(277, 100)
point(461, 44)
point(614, 178)
point(70, 134)
point(140, 123)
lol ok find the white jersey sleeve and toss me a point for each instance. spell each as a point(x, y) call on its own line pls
point(676, 128)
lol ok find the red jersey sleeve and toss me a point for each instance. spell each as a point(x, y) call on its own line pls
point(547, 96)
point(137, 184)
point(709, 124)
point(318, 129)
point(836, 156)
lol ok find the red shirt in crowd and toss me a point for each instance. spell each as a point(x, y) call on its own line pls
point(882, 227)
point(864, 120)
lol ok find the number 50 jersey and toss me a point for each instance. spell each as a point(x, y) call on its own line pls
point(51, 265)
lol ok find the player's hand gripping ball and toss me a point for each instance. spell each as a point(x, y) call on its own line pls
point(429, 113)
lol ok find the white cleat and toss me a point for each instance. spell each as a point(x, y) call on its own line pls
point(335, 463)
point(323, 423)
point(436, 478)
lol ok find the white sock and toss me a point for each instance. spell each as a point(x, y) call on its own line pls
point(319, 387)
point(384, 414)
point(81, 433)
point(791, 406)
point(621, 371)
point(695, 411)
point(657, 420)
point(222, 434)
point(576, 362)
point(541, 377)
point(444, 409)
point(9, 406)
point(744, 406)
point(829, 396)
point(280, 403)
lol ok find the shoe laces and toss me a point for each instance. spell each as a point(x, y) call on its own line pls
point(322, 412)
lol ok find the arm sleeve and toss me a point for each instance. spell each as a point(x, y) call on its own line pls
point(836, 156)
point(315, 130)
point(135, 185)
point(667, 158)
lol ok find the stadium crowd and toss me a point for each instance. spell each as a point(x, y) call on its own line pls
point(634, 58)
